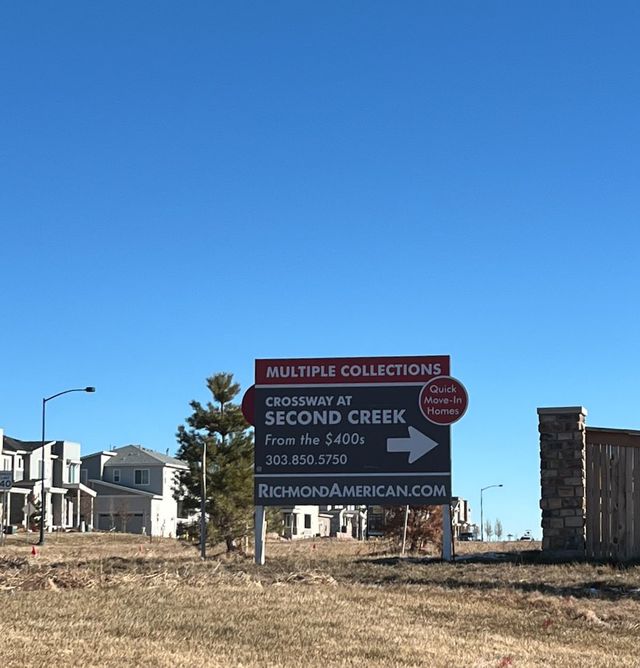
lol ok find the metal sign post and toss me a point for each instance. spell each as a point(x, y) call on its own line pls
point(6, 483)
point(2, 521)
point(260, 535)
point(447, 541)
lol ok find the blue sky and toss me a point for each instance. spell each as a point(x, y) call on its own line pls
point(185, 187)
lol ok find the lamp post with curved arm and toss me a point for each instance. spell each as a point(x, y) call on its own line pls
point(43, 493)
point(481, 510)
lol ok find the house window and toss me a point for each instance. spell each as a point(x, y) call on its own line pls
point(116, 475)
point(182, 512)
point(307, 521)
point(73, 473)
point(19, 473)
point(7, 463)
point(141, 476)
point(41, 469)
point(290, 523)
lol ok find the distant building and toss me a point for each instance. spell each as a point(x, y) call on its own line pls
point(135, 490)
point(313, 521)
point(347, 521)
point(375, 521)
point(461, 517)
point(304, 522)
point(359, 522)
point(68, 501)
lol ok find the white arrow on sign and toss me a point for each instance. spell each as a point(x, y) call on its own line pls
point(417, 444)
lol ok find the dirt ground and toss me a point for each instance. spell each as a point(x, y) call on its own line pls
point(114, 600)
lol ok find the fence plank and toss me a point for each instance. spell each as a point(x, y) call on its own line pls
point(605, 491)
point(628, 503)
point(597, 482)
point(593, 499)
point(588, 499)
point(619, 474)
point(613, 503)
point(636, 502)
point(617, 499)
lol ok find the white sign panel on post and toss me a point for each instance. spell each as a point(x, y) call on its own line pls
point(6, 480)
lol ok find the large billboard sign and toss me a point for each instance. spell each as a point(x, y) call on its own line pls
point(354, 430)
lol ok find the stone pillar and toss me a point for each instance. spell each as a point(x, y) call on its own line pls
point(562, 478)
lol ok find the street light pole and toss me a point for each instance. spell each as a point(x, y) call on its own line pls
point(203, 502)
point(481, 510)
point(43, 492)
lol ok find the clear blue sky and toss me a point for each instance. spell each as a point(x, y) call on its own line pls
point(187, 186)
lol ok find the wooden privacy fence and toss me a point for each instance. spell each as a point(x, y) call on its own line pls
point(612, 494)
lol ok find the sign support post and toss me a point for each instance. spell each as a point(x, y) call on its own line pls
point(4, 513)
point(6, 483)
point(446, 533)
point(260, 535)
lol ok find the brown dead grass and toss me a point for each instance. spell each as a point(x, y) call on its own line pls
point(105, 600)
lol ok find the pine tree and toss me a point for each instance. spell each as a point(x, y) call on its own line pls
point(221, 428)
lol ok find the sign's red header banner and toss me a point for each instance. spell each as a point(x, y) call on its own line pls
point(351, 370)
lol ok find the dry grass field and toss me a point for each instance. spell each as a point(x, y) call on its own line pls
point(114, 600)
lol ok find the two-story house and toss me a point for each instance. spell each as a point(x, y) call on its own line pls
point(311, 521)
point(461, 517)
point(135, 490)
point(347, 521)
point(68, 501)
point(304, 522)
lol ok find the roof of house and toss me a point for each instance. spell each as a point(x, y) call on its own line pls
point(112, 489)
point(13, 444)
point(129, 455)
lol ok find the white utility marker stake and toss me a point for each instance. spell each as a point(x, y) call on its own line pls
point(260, 535)
point(404, 533)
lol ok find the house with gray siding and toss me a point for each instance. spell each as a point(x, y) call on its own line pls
point(347, 521)
point(135, 490)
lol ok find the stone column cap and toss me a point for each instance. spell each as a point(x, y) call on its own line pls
point(563, 410)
